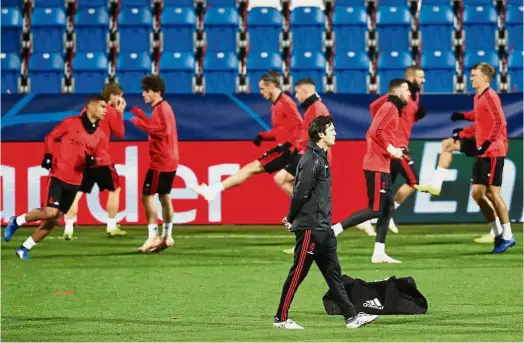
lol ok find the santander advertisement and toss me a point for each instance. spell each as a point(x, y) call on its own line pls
point(257, 201)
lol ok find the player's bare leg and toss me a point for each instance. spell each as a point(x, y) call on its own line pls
point(113, 202)
point(210, 192)
point(496, 227)
point(167, 228)
point(152, 224)
point(284, 181)
point(70, 217)
point(402, 194)
point(506, 239)
point(449, 145)
point(40, 233)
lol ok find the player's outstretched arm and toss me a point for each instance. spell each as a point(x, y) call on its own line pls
point(140, 114)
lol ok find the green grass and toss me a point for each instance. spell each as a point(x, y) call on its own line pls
point(224, 283)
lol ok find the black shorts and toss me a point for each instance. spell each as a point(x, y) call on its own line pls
point(406, 169)
point(291, 168)
point(277, 158)
point(468, 146)
point(105, 177)
point(488, 171)
point(59, 194)
point(379, 187)
point(158, 182)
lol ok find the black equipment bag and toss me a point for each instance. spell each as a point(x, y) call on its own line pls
point(391, 296)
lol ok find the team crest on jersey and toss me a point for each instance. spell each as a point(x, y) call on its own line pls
point(311, 249)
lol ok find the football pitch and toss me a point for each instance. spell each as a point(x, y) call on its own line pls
point(223, 283)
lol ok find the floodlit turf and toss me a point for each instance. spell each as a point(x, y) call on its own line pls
point(224, 283)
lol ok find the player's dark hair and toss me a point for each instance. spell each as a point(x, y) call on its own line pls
point(153, 83)
point(305, 81)
point(486, 69)
point(395, 83)
point(95, 98)
point(112, 88)
point(271, 77)
point(411, 70)
point(318, 126)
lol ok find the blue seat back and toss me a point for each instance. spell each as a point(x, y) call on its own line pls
point(393, 27)
point(178, 27)
point(308, 64)
point(11, 29)
point(391, 65)
point(90, 71)
point(46, 71)
point(350, 27)
point(131, 67)
point(259, 64)
point(48, 28)
point(474, 57)
point(307, 27)
point(221, 26)
point(264, 27)
point(220, 71)
point(91, 28)
point(135, 25)
point(10, 72)
point(436, 27)
point(178, 69)
point(439, 67)
point(480, 26)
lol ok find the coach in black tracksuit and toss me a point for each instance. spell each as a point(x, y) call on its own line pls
point(309, 218)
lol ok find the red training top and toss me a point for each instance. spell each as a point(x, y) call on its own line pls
point(69, 161)
point(382, 132)
point(163, 137)
point(286, 121)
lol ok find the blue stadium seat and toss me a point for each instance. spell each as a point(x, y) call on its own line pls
point(136, 3)
point(350, 27)
point(178, 3)
point(91, 28)
point(90, 71)
point(220, 72)
point(264, 28)
point(309, 64)
point(472, 57)
point(514, 26)
point(437, 2)
point(258, 64)
point(46, 71)
point(480, 25)
point(393, 27)
point(222, 3)
point(10, 72)
point(91, 3)
point(393, 3)
point(11, 3)
point(439, 68)
point(48, 28)
point(349, 3)
point(391, 65)
point(307, 27)
point(515, 67)
point(221, 27)
point(135, 25)
point(178, 27)
point(11, 29)
point(436, 27)
point(177, 70)
point(351, 69)
point(131, 67)
point(50, 3)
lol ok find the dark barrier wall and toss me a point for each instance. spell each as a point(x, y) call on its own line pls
point(239, 117)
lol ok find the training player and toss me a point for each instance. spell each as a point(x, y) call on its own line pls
point(163, 152)
point(82, 146)
point(491, 149)
point(411, 113)
point(104, 175)
point(287, 125)
point(309, 218)
point(381, 138)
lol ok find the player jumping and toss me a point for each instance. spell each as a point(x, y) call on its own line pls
point(491, 149)
point(163, 152)
point(82, 146)
point(286, 131)
point(380, 139)
point(104, 175)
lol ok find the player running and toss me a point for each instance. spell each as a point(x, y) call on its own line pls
point(491, 148)
point(104, 175)
point(163, 153)
point(411, 113)
point(380, 139)
point(287, 126)
point(82, 146)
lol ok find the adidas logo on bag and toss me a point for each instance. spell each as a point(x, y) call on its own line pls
point(373, 303)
